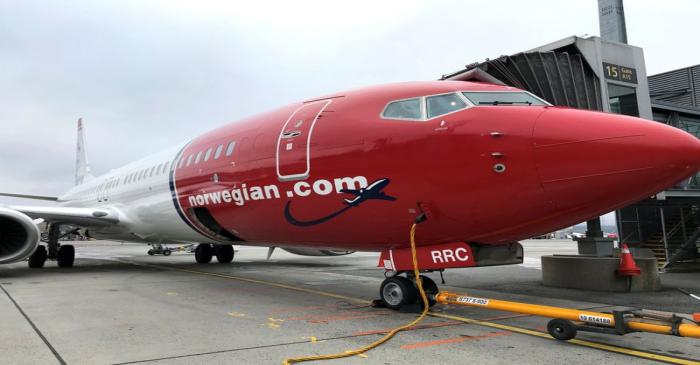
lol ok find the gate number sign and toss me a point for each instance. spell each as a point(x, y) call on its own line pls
point(619, 73)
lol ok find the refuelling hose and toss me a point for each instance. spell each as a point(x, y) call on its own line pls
point(391, 333)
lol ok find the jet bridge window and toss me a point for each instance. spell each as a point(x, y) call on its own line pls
point(404, 109)
point(502, 98)
point(444, 104)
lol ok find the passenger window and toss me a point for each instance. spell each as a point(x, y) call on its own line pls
point(207, 155)
point(189, 160)
point(153, 170)
point(182, 162)
point(165, 166)
point(198, 158)
point(159, 169)
point(404, 109)
point(217, 154)
point(229, 149)
point(444, 104)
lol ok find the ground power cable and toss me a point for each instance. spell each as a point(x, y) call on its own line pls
point(388, 336)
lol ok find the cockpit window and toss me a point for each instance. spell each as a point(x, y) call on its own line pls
point(404, 109)
point(444, 104)
point(502, 98)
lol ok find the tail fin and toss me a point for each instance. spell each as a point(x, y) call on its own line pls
point(82, 167)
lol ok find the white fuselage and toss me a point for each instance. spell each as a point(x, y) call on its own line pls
point(139, 193)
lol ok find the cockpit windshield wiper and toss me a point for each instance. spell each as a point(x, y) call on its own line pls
point(496, 102)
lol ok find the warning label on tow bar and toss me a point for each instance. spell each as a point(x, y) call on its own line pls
point(472, 300)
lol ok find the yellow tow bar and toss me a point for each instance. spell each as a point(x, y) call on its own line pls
point(562, 327)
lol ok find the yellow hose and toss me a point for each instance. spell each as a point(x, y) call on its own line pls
point(393, 332)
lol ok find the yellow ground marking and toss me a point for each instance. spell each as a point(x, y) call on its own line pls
point(268, 283)
point(362, 356)
point(313, 339)
point(171, 293)
point(600, 346)
point(236, 314)
point(595, 345)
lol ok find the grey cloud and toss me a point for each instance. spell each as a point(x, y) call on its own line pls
point(146, 75)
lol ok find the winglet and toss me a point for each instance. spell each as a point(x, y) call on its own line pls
point(82, 167)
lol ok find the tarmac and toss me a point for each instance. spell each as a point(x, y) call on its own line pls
point(120, 306)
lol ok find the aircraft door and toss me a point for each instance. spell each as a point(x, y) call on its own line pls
point(294, 143)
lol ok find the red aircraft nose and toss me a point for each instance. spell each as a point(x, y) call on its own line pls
point(591, 162)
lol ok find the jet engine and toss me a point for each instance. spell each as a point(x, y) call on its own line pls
point(19, 236)
point(317, 252)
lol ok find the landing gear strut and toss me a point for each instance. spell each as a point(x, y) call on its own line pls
point(397, 291)
point(64, 255)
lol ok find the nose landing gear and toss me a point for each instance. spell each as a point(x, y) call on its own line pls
point(400, 292)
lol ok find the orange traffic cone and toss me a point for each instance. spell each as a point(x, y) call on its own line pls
point(627, 265)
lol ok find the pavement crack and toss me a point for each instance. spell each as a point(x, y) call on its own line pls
point(34, 327)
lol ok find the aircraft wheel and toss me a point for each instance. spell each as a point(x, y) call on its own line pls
point(397, 291)
point(561, 329)
point(66, 256)
point(167, 252)
point(224, 253)
point(38, 258)
point(430, 288)
point(203, 253)
point(150, 253)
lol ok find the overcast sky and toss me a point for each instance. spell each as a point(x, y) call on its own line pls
point(148, 74)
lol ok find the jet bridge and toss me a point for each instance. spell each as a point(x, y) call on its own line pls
point(587, 73)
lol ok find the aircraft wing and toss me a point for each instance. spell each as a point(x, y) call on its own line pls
point(35, 197)
point(76, 216)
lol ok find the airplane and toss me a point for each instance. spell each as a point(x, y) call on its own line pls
point(373, 191)
point(487, 165)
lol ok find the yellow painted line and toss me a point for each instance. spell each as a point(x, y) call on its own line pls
point(313, 339)
point(525, 331)
point(600, 346)
point(269, 283)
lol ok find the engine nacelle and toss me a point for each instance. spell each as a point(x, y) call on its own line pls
point(19, 236)
point(316, 252)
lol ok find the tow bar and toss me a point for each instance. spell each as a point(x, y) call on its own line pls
point(568, 321)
